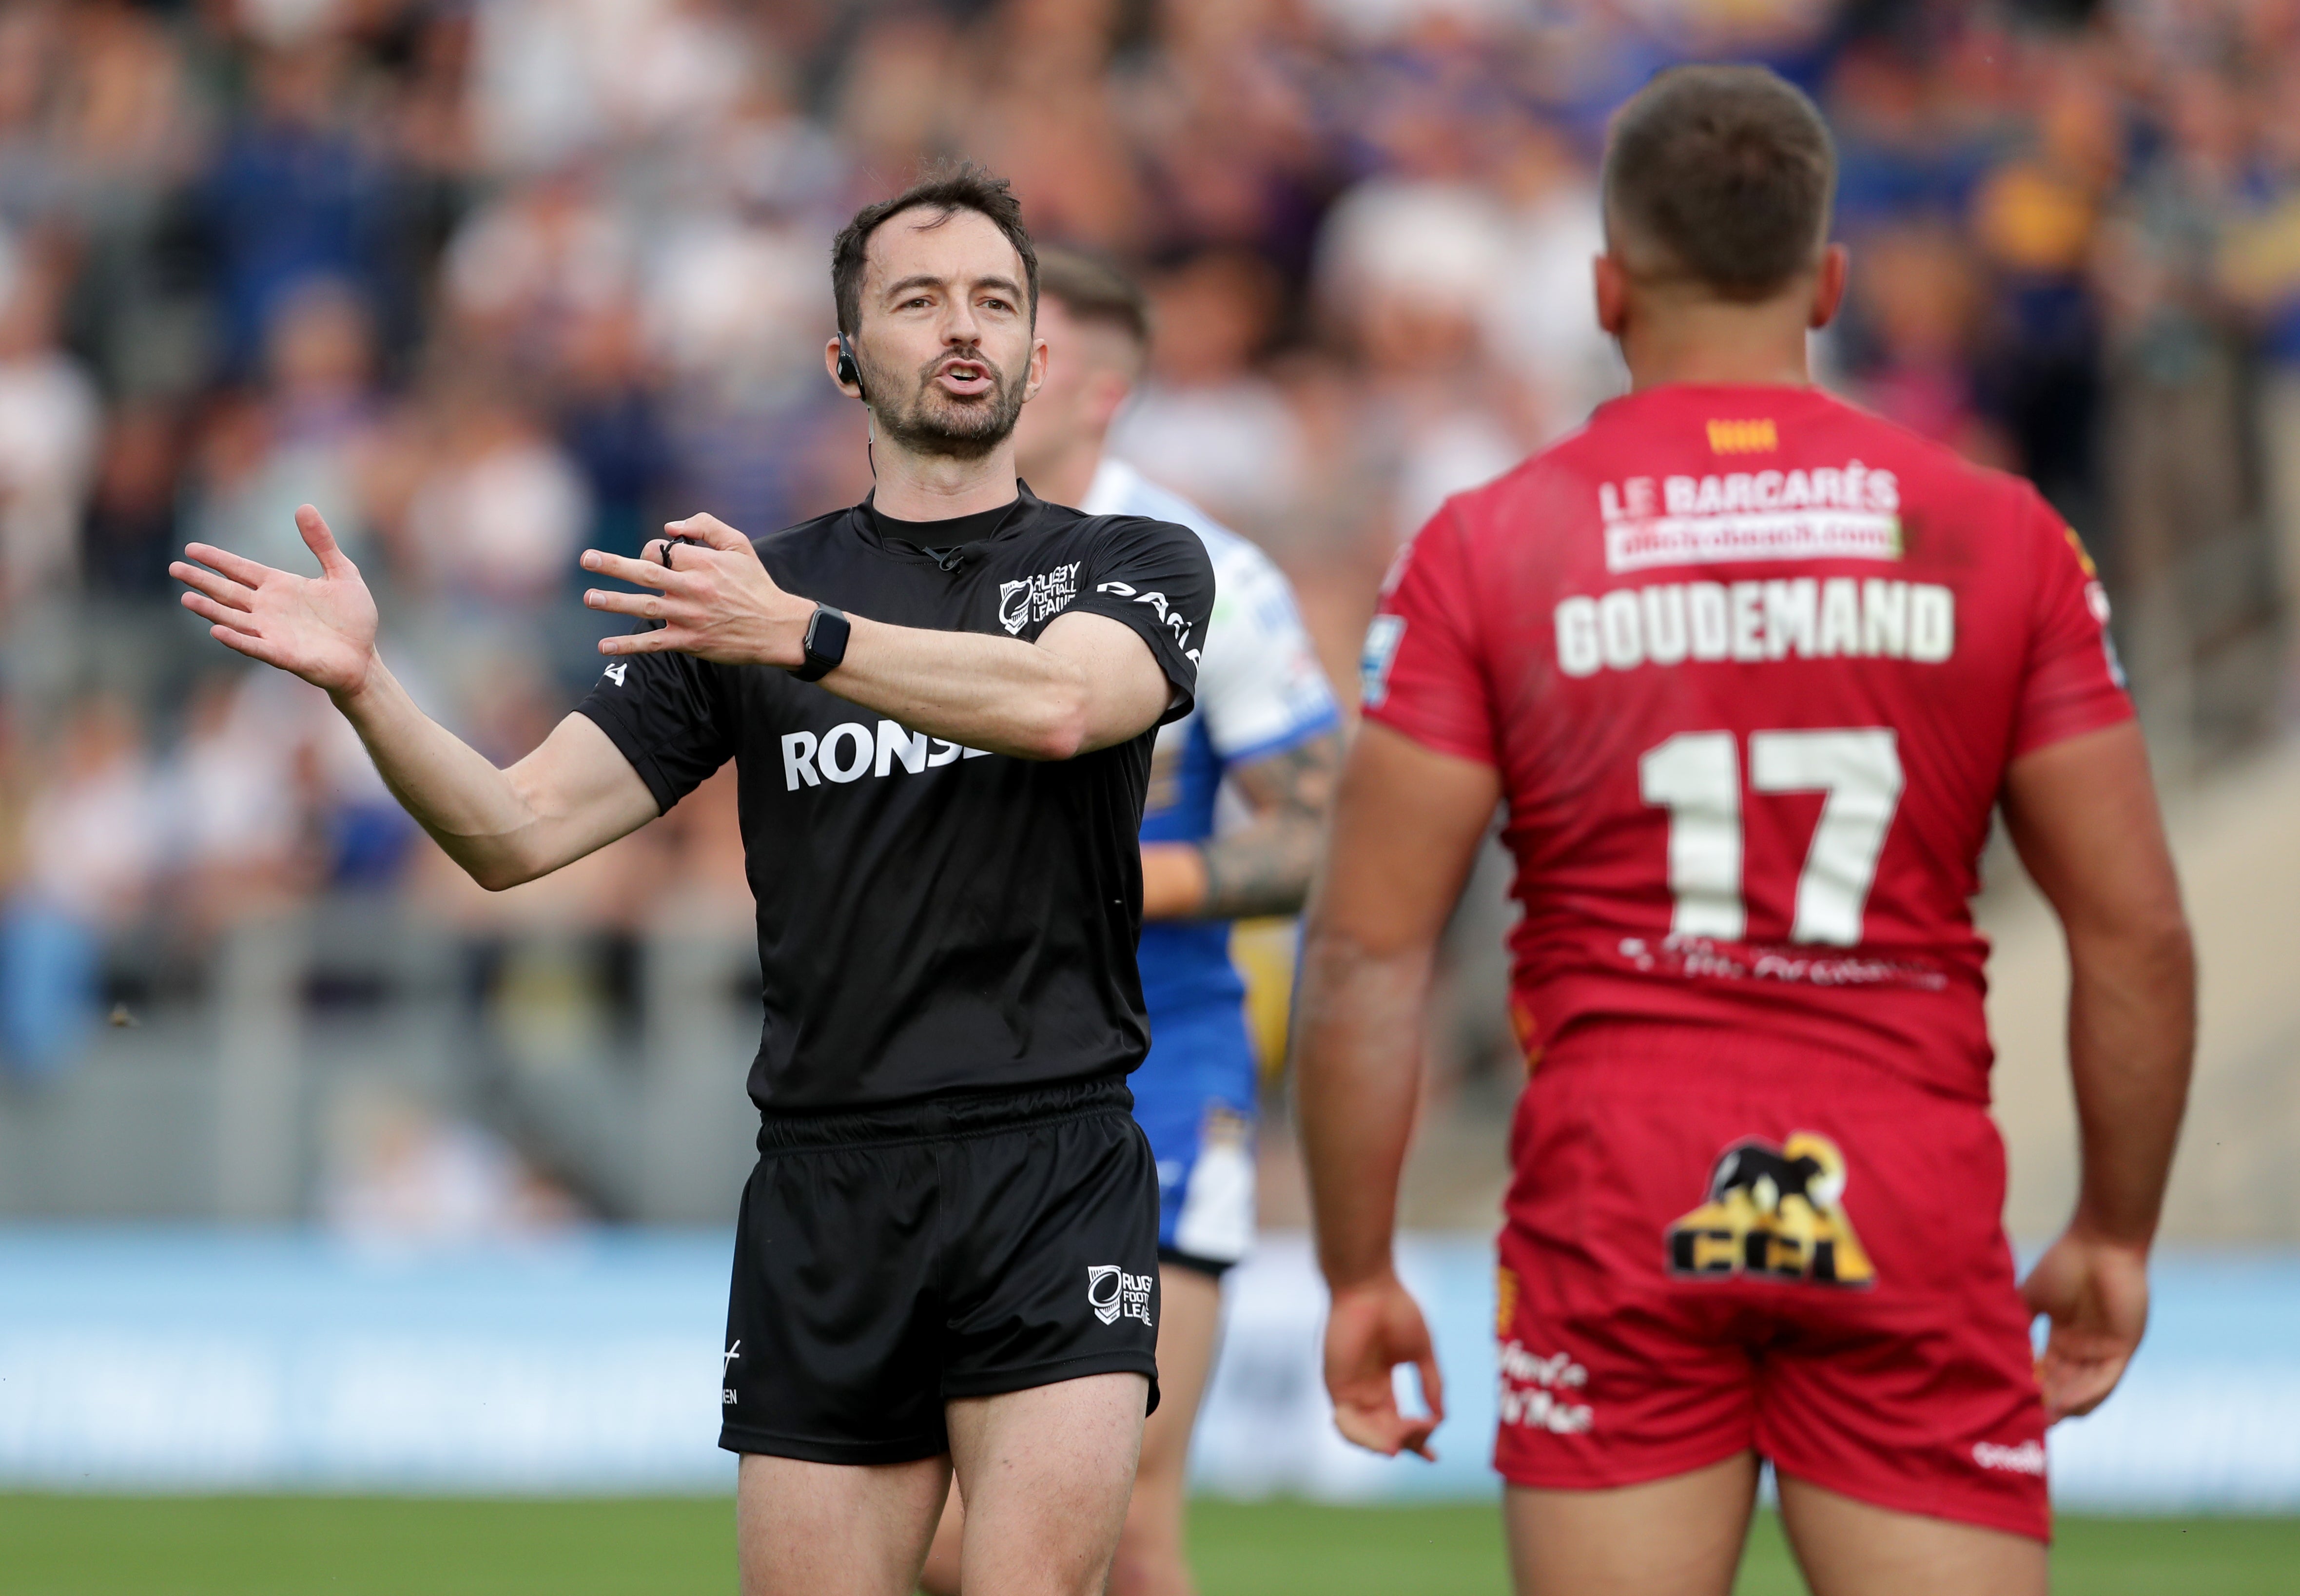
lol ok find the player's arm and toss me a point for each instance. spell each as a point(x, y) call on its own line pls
point(575, 794)
point(2083, 815)
point(1407, 823)
point(1264, 866)
point(1087, 682)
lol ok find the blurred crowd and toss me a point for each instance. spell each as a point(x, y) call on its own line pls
point(494, 280)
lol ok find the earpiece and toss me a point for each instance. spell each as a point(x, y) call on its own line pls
point(849, 370)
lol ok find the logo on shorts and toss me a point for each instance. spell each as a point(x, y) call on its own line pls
point(727, 1361)
point(1537, 1391)
point(1036, 598)
point(1775, 1213)
point(2027, 1457)
point(1112, 1294)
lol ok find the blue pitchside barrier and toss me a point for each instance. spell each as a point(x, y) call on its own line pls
point(207, 1360)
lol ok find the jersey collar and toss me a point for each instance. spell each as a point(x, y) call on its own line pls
point(931, 542)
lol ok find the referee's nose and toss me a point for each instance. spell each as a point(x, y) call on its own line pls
point(961, 329)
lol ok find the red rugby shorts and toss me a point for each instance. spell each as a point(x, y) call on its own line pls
point(1731, 1250)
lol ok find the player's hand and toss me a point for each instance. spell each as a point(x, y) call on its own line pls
point(321, 629)
point(2095, 1292)
point(715, 600)
point(1374, 1327)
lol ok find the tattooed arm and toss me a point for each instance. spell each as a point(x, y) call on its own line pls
point(1262, 868)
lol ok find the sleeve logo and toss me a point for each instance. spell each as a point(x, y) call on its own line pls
point(1170, 613)
point(1112, 1292)
point(1383, 635)
point(617, 671)
point(1036, 598)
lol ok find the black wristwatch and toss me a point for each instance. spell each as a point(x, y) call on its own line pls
point(824, 645)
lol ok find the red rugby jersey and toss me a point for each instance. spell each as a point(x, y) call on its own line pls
point(1751, 663)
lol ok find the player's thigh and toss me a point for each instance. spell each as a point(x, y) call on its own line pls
point(1151, 1558)
point(1678, 1536)
point(835, 1529)
point(1189, 1318)
point(1046, 1471)
point(1849, 1548)
point(1189, 1323)
point(939, 1576)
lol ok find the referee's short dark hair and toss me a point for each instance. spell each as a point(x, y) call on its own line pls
point(948, 188)
point(1093, 289)
point(1723, 174)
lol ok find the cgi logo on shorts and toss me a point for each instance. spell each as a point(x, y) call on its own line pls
point(1112, 1293)
point(1774, 1213)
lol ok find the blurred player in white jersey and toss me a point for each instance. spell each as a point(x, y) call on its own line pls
point(1239, 792)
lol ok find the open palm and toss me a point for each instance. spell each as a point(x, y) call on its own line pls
point(321, 628)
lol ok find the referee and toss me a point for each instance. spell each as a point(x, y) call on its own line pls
point(941, 704)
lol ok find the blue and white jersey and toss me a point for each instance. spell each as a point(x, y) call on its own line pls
point(1260, 693)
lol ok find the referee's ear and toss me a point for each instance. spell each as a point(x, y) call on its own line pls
point(833, 362)
point(1037, 370)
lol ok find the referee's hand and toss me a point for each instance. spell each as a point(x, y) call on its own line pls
point(714, 599)
point(1373, 1328)
point(321, 629)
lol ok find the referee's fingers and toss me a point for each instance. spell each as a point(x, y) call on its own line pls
point(708, 529)
point(321, 542)
point(223, 615)
point(644, 572)
point(249, 643)
point(216, 586)
point(237, 567)
point(661, 640)
point(645, 606)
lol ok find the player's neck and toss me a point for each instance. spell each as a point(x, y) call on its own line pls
point(1718, 343)
point(935, 487)
point(1064, 478)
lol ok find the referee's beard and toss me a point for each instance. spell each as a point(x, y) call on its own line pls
point(927, 420)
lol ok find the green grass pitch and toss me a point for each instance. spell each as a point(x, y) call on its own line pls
point(371, 1546)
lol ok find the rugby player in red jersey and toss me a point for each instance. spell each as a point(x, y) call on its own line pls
point(1749, 669)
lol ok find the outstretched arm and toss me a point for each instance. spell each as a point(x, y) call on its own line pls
point(575, 794)
point(1087, 682)
point(2083, 815)
point(1264, 866)
point(1406, 827)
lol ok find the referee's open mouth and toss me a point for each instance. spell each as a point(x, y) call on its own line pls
point(964, 377)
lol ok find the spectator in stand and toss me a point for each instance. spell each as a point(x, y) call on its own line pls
point(495, 523)
point(91, 847)
point(50, 421)
point(2034, 218)
point(296, 194)
point(1207, 424)
point(130, 534)
point(310, 437)
point(2260, 270)
point(1912, 317)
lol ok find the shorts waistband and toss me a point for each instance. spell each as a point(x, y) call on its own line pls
point(1635, 1056)
point(951, 1115)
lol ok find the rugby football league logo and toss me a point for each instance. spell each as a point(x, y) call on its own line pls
point(1113, 1293)
point(1036, 598)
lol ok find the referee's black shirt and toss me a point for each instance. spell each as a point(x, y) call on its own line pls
point(931, 918)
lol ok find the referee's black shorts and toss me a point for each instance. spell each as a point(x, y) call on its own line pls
point(888, 1260)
